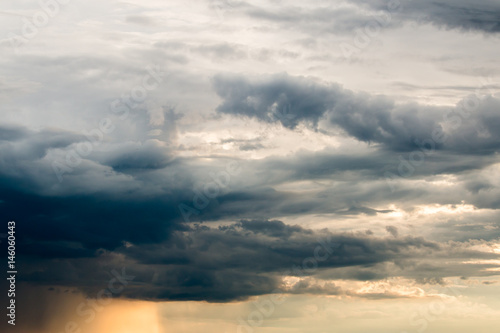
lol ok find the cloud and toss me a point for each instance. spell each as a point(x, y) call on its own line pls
point(392, 230)
point(463, 14)
point(354, 14)
point(250, 258)
point(132, 156)
point(313, 153)
point(368, 118)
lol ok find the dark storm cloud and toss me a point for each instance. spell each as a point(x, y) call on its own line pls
point(368, 118)
point(64, 219)
point(132, 177)
point(75, 239)
point(251, 257)
point(88, 222)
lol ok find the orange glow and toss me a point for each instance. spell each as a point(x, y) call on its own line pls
point(126, 317)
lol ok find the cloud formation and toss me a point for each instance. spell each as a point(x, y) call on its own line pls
point(314, 135)
point(250, 258)
point(469, 127)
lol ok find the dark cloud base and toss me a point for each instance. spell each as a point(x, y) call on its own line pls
point(244, 259)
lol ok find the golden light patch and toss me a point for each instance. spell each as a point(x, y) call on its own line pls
point(126, 317)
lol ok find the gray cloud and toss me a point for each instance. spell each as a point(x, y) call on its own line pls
point(250, 257)
point(392, 230)
point(331, 19)
point(313, 153)
point(450, 14)
point(372, 119)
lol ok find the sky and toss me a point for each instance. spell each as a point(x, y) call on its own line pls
point(251, 166)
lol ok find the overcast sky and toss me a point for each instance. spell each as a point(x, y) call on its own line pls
point(340, 156)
